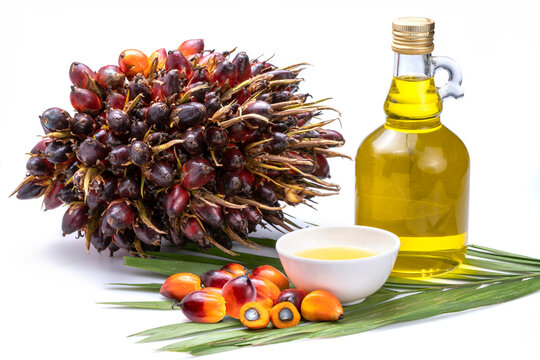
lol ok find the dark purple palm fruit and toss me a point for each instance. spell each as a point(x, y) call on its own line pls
point(85, 101)
point(118, 156)
point(175, 201)
point(129, 188)
point(323, 168)
point(253, 215)
point(225, 72)
point(110, 77)
point(75, 218)
point(158, 115)
point(138, 86)
point(83, 125)
point(211, 215)
point(118, 121)
point(280, 74)
point(194, 140)
point(236, 132)
point(161, 173)
point(171, 84)
point(223, 239)
point(115, 101)
point(139, 113)
point(69, 194)
point(200, 75)
point(232, 159)
point(138, 130)
point(91, 151)
point(113, 139)
point(30, 190)
point(197, 91)
point(248, 182)
point(39, 166)
point(124, 239)
point(216, 138)
point(98, 240)
point(51, 200)
point(265, 193)
point(103, 189)
point(187, 115)
point(192, 230)
point(278, 144)
point(106, 228)
point(236, 220)
point(146, 234)
point(331, 135)
point(212, 103)
point(196, 173)
point(261, 108)
point(280, 96)
point(54, 119)
point(243, 66)
point(140, 153)
point(58, 151)
point(157, 138)
point(40, 147)
point(177, 61)
point(119, 214)
point(229, 184)
point(79, 74)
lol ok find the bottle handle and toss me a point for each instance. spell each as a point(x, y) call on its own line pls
point(453, 86)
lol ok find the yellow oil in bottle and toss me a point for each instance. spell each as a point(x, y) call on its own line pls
point(412, 178)
point(335, 253)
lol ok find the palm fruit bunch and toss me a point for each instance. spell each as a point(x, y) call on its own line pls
point(185, 146)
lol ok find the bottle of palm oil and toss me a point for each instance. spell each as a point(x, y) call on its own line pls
point(412, 173)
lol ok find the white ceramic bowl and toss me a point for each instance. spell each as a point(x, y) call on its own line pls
point(351, 281)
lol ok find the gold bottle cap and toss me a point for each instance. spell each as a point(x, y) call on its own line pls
point(413, 35)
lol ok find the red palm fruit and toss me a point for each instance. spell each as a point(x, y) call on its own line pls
point(243, 66)
point(232, 159)
point(294, 296)
point(171, 83)
point(133, 62)
point(257, 68)
point(190, 47)
point(177, 286)
point(331, 135)
point(78, 74)
point(211, 289)
point(265, 193)
point(175, 201)
point(248, 182)
point(204, 306)
point(55, 119)
point(216, 278)
point(194, 140)
point(115, 100)
point(161, 56)
point(192, 229)
point(129, 188)
point(214, 56)
point(120, 214)
point(91, 151)
point(124, 239)
point(323, 168)
point(211, 215)
point(75, 218)
point(278, 144)
point(236, 220)
point(85, 101)
point(265, 287)
point(188, 115)
point(157, 92)
point(197, 172)
point(200, 75)
point(225, 72)
point(237, 292)
point(261, 108)
point(30, 190)
point(176, 60)
point(216, 137)
point(98, 240)
point(40, 147)
point(51, 200)
point(83, 125)
point(39, 166)
point(242, 96)
point(271, 273)
point(235, 269)
point(146, 234)
point(236, 132)
point(308, 167)
point(253, 215)
point(229, 184)
point(111, 77)
point(304, 118)
point(161, 173)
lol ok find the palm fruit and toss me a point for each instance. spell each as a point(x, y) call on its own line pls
point(188, 145)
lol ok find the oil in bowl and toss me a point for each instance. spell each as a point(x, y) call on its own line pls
point(335, 253)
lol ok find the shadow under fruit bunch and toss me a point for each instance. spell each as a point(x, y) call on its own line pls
point(188, 145)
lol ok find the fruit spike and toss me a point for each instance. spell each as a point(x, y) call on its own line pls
point(187, 145)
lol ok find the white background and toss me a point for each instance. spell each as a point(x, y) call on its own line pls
point(50, 285)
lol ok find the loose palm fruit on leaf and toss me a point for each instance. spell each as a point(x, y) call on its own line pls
point(264, 301)
point(254, 315)
point(265, 287)
point(177, 286)
point(202, 147)
point(320, 305)
point(235, 269)
point(271, 273)
point(216, 278)
point(284, 315)
point(294, 296)
point(237, 292)
point(203, 306)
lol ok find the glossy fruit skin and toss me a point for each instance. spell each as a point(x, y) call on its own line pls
point(320, 305)
point(124, 239)
point(188, 115)
point(259, 107)
point(133, 62)
point(161, 173)
point(235, 269)
point(39, 166)
point(138, 130)
point(140, 153)
point(284, 315)
point(265, 287)
point(138, 87)
point(232, 160)
point(55, 119)
point(30, 190)
point(225, 72)
point(110, 77)
point(194, 140)
point(278, 144)
point(58, 152)
point(75, 218)
point(216, 138)
point(79, 73)
point(254, 315)
point(120, 214)
point(323, 168)
point(216, 278)
point(237, 292)
point(332, 135)
point(236, 220)
point(115, 101)
point(265, 193)
point(271, 273)
point(40, 147)
point(190, 47)
point(147, 235)
point(243, 66)
point(129, 188)
point(192, 230)
point(91, 151)
point(118, 156)
point(294, 296)
point(229, 184)
point(253, 215)
point(86, 101)
point(264, 301)
point(197, 173)
point(211, 215)
point(98, 240)
point(248, 182)
point(175, 201)
point(51, 200)
point(161, 56)
point(177, 286)
point(82, 125)
point(204, 306)
point(171, 83)
point(176, 60)
point(158, 115)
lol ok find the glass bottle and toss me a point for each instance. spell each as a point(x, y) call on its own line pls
point(412, 173)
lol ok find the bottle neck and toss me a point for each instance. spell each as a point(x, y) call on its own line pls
point(413, 102)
